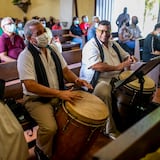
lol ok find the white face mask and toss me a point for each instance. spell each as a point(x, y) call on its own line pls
point(11, 28)
point(96, 25)
point(20, 25)
point(42, 40)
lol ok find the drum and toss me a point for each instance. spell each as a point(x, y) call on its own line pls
point(129, 103)
point(78, 126)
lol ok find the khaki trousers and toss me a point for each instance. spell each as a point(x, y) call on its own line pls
point(43, 114)
point(103, 91)
point(13, 145)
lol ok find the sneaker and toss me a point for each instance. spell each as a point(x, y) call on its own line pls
point(39, 154)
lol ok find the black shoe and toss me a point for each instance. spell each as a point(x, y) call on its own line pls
point(39, 154)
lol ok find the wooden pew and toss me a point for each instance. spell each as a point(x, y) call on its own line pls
point(65, 39)
point(9, 73)
point(73, 59)
point(136, 142)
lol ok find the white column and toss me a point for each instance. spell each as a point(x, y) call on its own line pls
point(66, 13)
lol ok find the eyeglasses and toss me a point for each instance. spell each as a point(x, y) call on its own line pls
point(104, 31)
point(9, 23)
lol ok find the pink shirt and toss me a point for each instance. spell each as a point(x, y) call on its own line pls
point(13, 46)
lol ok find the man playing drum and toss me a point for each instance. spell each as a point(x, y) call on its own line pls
point(41, 70)
point(103, 59)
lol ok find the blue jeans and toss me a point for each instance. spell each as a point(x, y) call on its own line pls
point(130, 44)
point(78, 40)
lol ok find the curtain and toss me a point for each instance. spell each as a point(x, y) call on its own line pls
point(104, 9)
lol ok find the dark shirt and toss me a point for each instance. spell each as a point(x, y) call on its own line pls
point(151, 44)
point(76, 30)
point(13, 46)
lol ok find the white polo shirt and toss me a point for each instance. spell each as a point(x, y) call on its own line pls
point(26, 69)
point(91, 56)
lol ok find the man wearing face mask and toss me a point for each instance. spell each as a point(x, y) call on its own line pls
point(151, 46)
point(134, 28)
point(42, 70)
point(11, 44)
point(76, 32)
point(92, 30)
point(103, 59)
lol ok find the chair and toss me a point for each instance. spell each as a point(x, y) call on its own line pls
point(139, 48)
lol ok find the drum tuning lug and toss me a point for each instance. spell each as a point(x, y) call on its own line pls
point(64, 128)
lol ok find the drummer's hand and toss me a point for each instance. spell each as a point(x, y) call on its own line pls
point(81, 82)
point(125, 64)
point(69, 95)
point(133, 59)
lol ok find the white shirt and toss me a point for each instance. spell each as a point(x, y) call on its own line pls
point(91, 56)
point(26, 69)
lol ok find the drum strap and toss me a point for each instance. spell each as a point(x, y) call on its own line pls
point(97, 73)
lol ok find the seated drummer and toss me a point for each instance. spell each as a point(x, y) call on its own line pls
point(103, 59)
point(41, 70)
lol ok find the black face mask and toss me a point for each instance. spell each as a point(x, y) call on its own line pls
point(135, 22)
point(158, 37)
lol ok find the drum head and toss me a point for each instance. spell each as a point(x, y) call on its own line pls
point(90, 109)
point(149, 84)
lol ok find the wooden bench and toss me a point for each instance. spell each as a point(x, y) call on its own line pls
point(136, 142)
point(65, 39)
point(73, 59)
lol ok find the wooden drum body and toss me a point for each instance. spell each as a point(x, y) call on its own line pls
point(127, 100)
point(78, 126)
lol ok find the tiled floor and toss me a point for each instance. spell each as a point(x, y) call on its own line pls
point(99, 142)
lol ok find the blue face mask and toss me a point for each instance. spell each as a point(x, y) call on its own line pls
point(20, 25)
point(11, 28)
point(158, 35)
point(76, 22)
point(85, 19)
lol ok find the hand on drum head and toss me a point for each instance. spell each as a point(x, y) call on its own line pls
point(81, 82)
point(69, 95)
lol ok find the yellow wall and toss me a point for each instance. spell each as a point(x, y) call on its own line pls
point(41, 8)
point(44, 8)
point(86, 7)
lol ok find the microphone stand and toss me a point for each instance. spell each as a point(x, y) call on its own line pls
point(141, 81)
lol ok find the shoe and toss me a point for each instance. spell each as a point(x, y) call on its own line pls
point(39, 154)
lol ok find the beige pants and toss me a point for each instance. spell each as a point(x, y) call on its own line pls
point(103, 91)
point(13, 145)
point(43, 114)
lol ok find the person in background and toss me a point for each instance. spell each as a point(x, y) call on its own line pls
point(126, 38)
point(76, 32)
point(42, 71)
point(151, 46)
point(1, 31)
point(57, 25)
point(20, 30)
point(84, 25)
point(92, 30)
point(11, 44)
point(47, 29)
point(50, 37)
point(123, 17)
point(51, 22)
point(103, 59)
point(134, 28)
